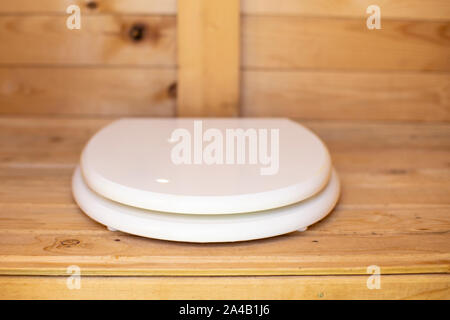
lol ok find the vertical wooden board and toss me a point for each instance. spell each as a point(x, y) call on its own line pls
point(208, 57)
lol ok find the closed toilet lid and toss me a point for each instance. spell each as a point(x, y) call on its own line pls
point(205, 166)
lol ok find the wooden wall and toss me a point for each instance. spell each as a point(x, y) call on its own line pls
point(310, 59)
point(317, 60)
point(121, 62)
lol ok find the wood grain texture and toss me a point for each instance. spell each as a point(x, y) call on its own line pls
point(87, 91)
point(295, 287)
point(347, 95)
point(407, 9)
point(394, 210)
point(208, 57)
point(103, 39)
point(89, 6)
point(404, 9)
point(284, 42)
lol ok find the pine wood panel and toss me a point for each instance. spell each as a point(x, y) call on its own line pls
point(370, 220)
point(305, 287)
point(284, 42)
point(208, 58)
point(87, 91)
point(103, 39)
point(403, 228)
point(303, 94)
point(361, 193)
point(408, 9)
point(347, 95)
point(90, 6)
point(28, 253)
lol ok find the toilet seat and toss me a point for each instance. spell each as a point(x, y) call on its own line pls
point(205, 228)
point(131, 180)
point(129, 161)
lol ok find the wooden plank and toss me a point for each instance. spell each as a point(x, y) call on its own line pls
point(407, 157)
point(405, 185)
point(404, 9)
point(401, 228)
point(284, 42)
point(87, 91)
point(208, 57)
point(361, 194)
point(428, 142)
point(118, 254)
point(308, 95)
point(45, 142)
point(89, 6)
point(347, 95)
point(348, 219)
point(320, 288)
point(103, 39)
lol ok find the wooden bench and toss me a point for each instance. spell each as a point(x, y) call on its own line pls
point(394, 213)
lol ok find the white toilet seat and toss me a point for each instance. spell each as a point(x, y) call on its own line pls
point(205, 228)
point(129, 161)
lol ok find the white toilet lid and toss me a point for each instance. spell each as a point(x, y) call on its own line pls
point(205, 228)
point(130, 161)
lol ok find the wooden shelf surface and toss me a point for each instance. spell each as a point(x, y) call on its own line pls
point(394, 211)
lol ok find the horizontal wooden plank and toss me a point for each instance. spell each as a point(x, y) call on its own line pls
point(90, 6)
point(362, 188)
point(284, 42)
point(65, 218)
point(305, 287)
point(405, 9)
point(303, 94)
point(45, 142)
point(428, 142)
point(406, 157)
point(297, 253)
point(347, 95)
point(102, 39)
point(394, 209)
point(87, 91)
point(268, 42)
